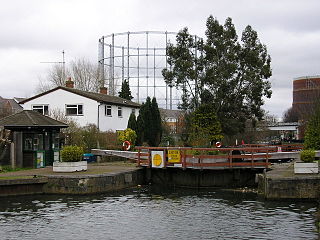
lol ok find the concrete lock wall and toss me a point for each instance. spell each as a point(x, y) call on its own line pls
point(202, 178)
point(289, 188)
point(89, 184)
point(93, 184)
point(15, 187)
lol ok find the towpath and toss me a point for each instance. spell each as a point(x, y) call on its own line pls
point(93, 169)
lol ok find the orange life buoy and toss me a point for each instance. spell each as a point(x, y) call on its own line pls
point(218, 144)
point(126, 145)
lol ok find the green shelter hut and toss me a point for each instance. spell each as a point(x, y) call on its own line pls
point(34, 138)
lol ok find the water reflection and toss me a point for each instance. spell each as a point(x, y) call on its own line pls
point(152, 213)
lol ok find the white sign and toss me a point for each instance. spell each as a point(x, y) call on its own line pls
point(157, 159)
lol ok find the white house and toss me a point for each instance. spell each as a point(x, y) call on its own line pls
point(105, 111)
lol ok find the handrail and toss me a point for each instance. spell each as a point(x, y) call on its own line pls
point(249, 157)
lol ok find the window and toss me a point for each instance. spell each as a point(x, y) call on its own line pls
point(28, 143)
point(119, 111)
point(43, 109)
point(74, 109)
point(38, 142)
point(107, 111)
point(133, 110)
point(55, 140)
point(309, 83)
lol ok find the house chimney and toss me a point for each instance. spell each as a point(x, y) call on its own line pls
point(103, 90)
point(69, 83)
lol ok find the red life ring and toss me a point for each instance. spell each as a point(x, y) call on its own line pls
point(126, 145)
point(218, 144)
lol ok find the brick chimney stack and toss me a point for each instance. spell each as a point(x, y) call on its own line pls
point(103, 90)
point(69, 83)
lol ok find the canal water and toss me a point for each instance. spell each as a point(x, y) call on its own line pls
point(146, 213)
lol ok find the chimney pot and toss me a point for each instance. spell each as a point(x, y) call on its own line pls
point(69, 83)
point(103, 90)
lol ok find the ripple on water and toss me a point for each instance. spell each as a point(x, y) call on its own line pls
point(155, 215)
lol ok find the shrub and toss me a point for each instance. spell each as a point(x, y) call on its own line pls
point(71, 153)
point(127, 135)
point(312, 134)
point(109, 140)
point(167, 139)
point(215, 152)
point(307, 155)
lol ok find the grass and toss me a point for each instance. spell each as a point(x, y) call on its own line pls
point(117, 163)
point(93, 168)
point(4, 169)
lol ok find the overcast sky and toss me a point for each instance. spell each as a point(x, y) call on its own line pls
point(34, 31)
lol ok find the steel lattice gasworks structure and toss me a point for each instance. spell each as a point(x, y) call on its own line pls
point(306, 93)
point(138, 57)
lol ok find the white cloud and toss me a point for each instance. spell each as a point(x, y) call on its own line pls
point(38, 30)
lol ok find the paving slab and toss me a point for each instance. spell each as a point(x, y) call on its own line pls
point(93, 169)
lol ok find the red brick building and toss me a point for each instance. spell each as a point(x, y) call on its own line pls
point(306, 94)
point(306, 97)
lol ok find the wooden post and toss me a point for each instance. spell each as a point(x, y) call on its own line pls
point(251, 158)
point(13, 155)
point(184, 159)
point(149, 158)
point(139, 157)
point(165, 157)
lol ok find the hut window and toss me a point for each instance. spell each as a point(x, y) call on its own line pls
point(28, 144)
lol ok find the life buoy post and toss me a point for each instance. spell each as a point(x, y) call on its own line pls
point(126, 145)
point(218, 144)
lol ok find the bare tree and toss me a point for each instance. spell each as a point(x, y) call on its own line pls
point(84, 73)
point(54, 78)
point(4, 142)
point(291, 115)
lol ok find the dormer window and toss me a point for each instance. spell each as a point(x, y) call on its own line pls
point(43, 109)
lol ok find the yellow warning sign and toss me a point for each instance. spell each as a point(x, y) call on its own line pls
point(157, 160)
point(174, 156)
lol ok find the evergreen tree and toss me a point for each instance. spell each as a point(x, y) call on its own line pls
point(147, 119)
point(312, 134)
point(149, 127)
point(132, 122)
point(125, 90)
point(229, 74)
point(155, 124)
point(140, 128)
point(205, 126)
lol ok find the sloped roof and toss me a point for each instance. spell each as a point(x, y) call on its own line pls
point(18, 99)
point(13, 104)
point(2, 101)
point(29, 118)
point(99, 97)
point(170, 113)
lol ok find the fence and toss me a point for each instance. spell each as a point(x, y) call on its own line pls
point(204, 158)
